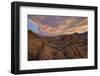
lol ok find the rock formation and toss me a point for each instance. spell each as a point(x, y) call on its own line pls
point(61, 47)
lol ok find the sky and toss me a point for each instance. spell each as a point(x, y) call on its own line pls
point(47, 25)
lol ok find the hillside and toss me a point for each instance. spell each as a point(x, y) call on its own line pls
point(60, 47)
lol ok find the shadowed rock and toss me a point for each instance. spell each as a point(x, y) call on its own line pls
point(61, 47)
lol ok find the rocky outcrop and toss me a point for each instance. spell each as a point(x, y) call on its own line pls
point(60, 47)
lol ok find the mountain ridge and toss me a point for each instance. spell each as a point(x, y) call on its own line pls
point(60, 47)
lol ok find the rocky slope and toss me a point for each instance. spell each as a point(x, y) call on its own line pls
point(61, 47)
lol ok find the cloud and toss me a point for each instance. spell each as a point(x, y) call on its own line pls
point(57, 25)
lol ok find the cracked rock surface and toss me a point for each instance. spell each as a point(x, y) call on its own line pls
point(61, 47)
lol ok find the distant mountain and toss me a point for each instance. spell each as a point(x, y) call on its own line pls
point(59, 47)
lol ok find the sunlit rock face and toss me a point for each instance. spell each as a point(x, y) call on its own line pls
point(57, 25)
